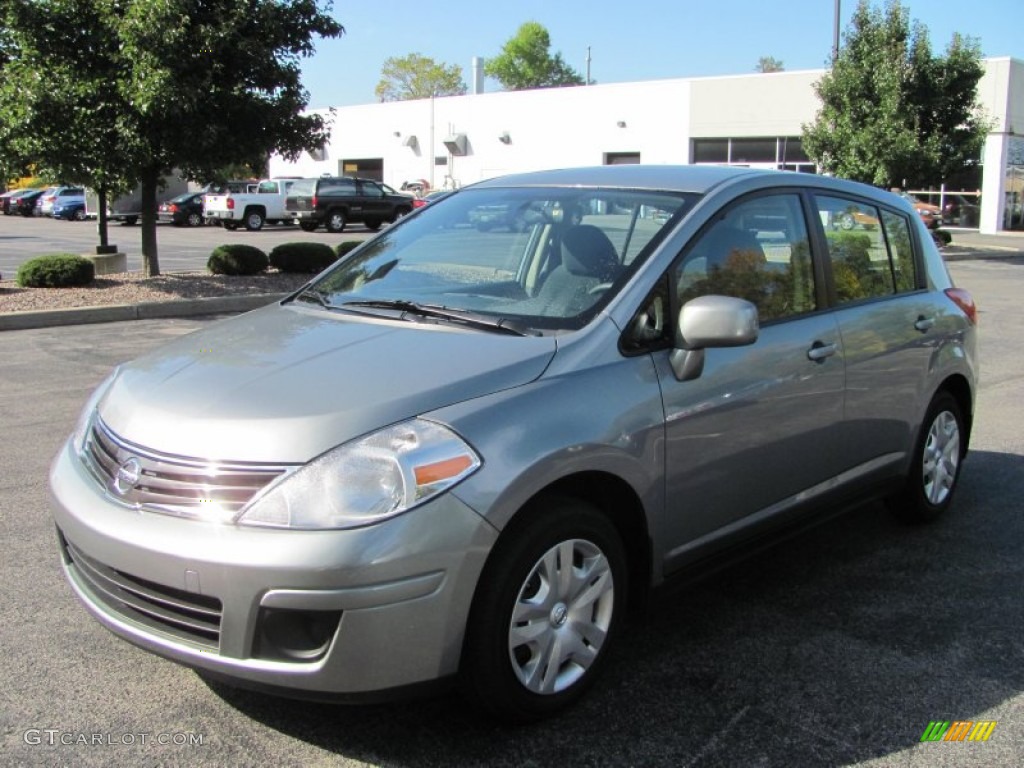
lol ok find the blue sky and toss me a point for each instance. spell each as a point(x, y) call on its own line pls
point(646, 40)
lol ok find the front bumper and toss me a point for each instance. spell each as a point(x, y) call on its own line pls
point(314, 612)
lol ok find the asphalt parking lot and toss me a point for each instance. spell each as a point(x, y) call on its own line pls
point(837, 647)
point(179, 248)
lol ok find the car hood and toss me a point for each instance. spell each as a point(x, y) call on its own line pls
point(283, 384)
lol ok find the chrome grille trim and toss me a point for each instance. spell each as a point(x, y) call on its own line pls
point(176, 485)
point(165, 610)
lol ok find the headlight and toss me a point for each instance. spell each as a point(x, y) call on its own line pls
point(368, 480)
point(85, 417)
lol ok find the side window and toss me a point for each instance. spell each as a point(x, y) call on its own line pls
point(904, 267)
point(371, 190)
point(857, 249)
point(337, 187)
point(758, 251)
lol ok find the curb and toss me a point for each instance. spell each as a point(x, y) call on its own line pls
point(149, 310)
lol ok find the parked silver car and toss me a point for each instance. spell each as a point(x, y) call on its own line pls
point(461, 454)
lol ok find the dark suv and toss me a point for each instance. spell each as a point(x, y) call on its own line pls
point(334, 201)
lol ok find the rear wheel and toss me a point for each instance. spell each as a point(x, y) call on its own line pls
point(846, 221)
point(335, 222)
point(194, 220)
point(253, 221)
point(547, 609)
point(231, 226)
point(308, 226)
point(79, 214)
point(372, 224)
point(935, 467)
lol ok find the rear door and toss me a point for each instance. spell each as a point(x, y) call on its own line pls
point(300, 196)
point(756, 430)
point(888, 322)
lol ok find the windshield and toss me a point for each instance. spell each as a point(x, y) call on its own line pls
point(544, 258)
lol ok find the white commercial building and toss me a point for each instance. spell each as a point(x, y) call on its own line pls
point(751, 120)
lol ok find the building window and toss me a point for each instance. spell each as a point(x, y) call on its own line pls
point(753, 151)
point(784, 152)
point(621, 158)
point(711, 150)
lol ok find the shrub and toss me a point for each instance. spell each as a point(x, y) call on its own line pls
point(237, 259)
point(302, 257)
point(342, 248)
point(57, 270)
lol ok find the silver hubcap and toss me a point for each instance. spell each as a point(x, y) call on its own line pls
point(561, 617)
point(941, 457)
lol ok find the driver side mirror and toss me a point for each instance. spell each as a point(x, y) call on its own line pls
point(711, 321)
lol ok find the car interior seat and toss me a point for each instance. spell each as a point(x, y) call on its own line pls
point(589, 260)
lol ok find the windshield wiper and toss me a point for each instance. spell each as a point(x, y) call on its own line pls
point(472, 319)
point(312, 295)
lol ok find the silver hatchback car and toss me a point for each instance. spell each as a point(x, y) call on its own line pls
point(462, 451)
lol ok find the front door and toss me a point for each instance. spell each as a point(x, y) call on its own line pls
point(750, 435)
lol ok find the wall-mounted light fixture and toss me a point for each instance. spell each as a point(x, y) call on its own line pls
point(410, 141)
point(621, 123)
point(397, 134)
point(504, 138)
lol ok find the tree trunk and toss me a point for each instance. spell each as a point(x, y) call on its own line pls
point(101, 219)
point(150, 261)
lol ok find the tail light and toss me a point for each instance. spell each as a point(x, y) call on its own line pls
point(172, 208)
point(312, 202)
point(231, 203)
point(963, 299)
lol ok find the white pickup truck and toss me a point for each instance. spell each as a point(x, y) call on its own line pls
point(250, 209)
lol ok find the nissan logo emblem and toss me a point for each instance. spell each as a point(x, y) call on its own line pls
point(127, 476)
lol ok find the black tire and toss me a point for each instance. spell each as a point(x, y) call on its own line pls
point(194, 220)
point(335, 221)
point(308, 226)
point(79, 214)
point(253, 220)
point(230, 226)
point(372, 224)
point(513, 680)
point(131, 221)
point(935, 467)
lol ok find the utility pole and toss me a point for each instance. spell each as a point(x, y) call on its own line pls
point(835, 35)
point(588, 63)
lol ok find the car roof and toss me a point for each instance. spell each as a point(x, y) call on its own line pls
point(699, 179)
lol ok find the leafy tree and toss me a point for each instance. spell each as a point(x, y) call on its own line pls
point(114, 93)
point(768, 64)
point(525, 62)
point(892, 113)
point(418, 77)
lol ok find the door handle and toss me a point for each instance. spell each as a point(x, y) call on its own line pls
point(924, 323)
point(819, 351)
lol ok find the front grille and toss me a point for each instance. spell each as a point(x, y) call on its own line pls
point(165, 610)
point(176, 485)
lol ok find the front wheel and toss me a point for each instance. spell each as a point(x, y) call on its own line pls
point(547, 609)
point(935, 468)
point(372, 224)
point(79, 215)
